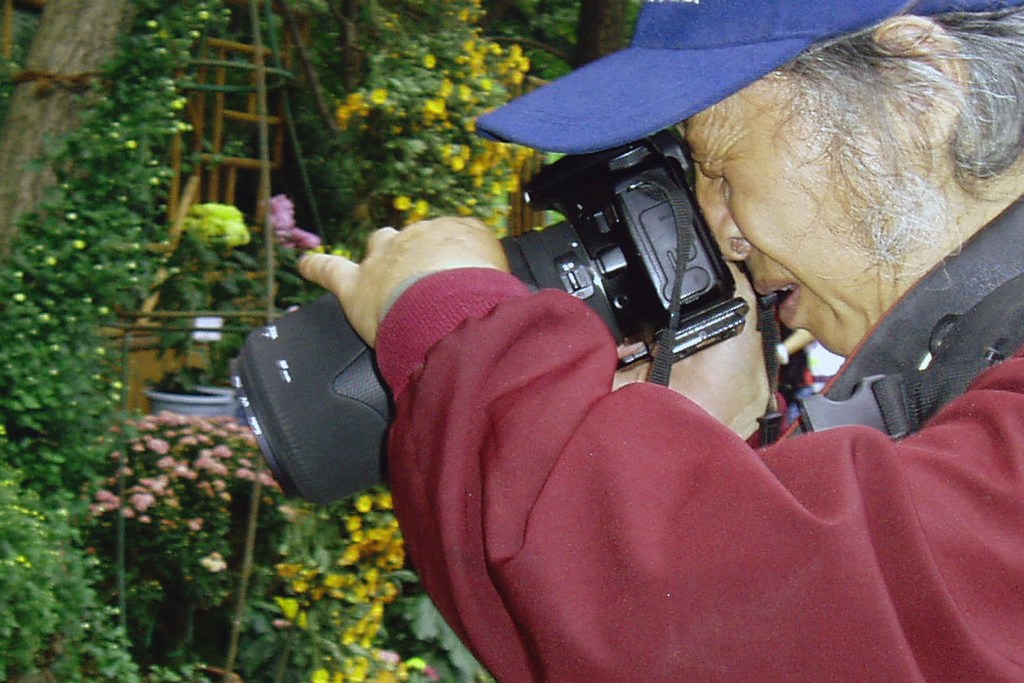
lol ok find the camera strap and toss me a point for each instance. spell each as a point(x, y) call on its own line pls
point(664, 355)
point(770, 424)
point(661, 370)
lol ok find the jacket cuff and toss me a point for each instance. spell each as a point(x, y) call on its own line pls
point(429, 310)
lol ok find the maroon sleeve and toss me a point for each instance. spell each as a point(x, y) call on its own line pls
point(572, 533)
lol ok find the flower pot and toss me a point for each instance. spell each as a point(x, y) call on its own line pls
point(206, 401)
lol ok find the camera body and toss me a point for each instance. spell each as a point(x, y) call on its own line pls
point(309, 386)
point(627, 210)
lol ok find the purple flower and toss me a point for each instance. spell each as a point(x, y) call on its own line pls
point(297, 238)
point(282, 213)
point(282, 219)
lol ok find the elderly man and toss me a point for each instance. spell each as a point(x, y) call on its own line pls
point(865, 159)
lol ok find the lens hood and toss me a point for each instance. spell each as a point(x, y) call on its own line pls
point(314, 398)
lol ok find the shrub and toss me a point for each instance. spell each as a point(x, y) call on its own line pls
point(184, 502)
point(50, 616)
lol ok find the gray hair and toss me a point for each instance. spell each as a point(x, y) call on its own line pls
point(861, 96)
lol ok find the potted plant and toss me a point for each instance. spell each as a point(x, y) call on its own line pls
point(207, 274)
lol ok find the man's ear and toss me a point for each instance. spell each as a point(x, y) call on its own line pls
point(922, 40)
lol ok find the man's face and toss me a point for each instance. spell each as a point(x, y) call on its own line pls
point(768, 197)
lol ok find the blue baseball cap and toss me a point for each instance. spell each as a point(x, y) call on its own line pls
point(685, 56)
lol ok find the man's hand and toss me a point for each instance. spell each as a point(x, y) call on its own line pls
point(728, 379)
point(395, 259)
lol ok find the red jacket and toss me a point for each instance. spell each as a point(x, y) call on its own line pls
point(572, 533)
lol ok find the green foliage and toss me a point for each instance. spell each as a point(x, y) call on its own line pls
point(85, 253)
point(407, 147)
point(548, 32)
point(50, 617)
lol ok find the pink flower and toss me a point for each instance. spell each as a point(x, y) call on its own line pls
point(222, 451)
point(196, 524)
point(184, 472)
point(143, 501)
point(206, 462)
point(158, 446)
point(157, 485)
point(266, 479)
point(245, 473)
point(214, 562)
point(167, 463)
point(431, 673)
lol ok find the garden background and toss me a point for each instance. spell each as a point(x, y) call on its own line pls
point(162, 165)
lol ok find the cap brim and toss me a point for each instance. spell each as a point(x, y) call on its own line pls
point(631, 94)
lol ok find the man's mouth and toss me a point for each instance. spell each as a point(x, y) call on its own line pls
point(785, 298)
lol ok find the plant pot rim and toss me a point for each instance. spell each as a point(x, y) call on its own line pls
point(202, 395)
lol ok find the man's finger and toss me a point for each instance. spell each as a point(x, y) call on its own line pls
point(327, 270)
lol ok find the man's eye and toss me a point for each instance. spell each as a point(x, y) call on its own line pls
point(725, 188)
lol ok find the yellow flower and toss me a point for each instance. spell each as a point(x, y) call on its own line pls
point(289, 607)
point(321, 676)
point(422, 209)
point(434, 108)
point(288, 570)
point(402, 203)
point(379, 96)
point(350, 556)
point(384, 501)
point(334, 581)
point(429, 61)
point(364, 503)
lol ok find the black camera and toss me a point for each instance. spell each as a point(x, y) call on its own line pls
point(633, 246)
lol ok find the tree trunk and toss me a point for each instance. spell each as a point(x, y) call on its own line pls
point(74, 40)
point(601, 30)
